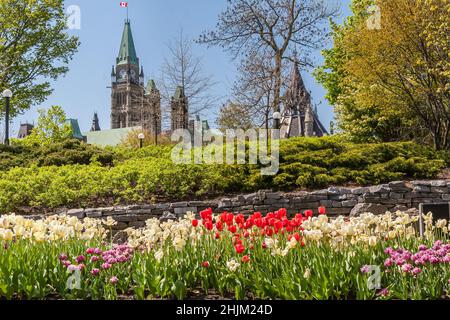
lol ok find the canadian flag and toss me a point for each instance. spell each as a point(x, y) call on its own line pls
point(124, 4)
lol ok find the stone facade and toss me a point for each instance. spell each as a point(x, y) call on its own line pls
point(179, 118)
point(132, 103)
point(393, 196)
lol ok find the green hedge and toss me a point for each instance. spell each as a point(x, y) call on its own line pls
point(59, 154)
point(75, 174)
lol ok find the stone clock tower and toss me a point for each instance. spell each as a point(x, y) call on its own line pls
point(133, 104)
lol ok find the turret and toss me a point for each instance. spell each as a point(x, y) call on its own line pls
point(309, 122)
point(113, 75)
point(179, 110)
point(95, 123)
point(141, 77)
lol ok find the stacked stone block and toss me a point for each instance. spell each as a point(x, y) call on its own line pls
point(397, 195)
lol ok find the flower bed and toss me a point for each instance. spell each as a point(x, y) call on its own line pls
point(308, 256)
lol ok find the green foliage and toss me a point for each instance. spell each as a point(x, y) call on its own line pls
point(375, 78)
point(34, 48)
point(51, 128)
point(314, 163)
point(75, 174)
point(68, 152)
point(318, 270)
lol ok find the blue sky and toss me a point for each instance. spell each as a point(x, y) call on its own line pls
point(154, 22)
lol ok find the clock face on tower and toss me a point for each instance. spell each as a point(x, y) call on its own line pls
point(123, 74)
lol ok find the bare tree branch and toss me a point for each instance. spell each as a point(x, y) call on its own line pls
point(278, 27)
point(182, 68)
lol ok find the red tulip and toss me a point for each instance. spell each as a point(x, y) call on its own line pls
point(194, 223)
point(278, 225)
point(245, 259)
point(322, 210)
point(259, 222)
point(246, 234)
point(205, 264)
point(217, 235)
point(232, 229)
point(240, 219)
point(223, 217)
point(239, 248)
point(206, 214)
point(209, 225)
point(308, 213)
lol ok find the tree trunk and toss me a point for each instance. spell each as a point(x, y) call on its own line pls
point(277, 89)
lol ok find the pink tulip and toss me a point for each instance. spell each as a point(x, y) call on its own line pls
point(384, 292)
point(106, 265)
point(73, 267)
point(365, 269)
point(416, 271)
point(95, 271)
point(388, 263)
point(113, 280)
point(406, 267)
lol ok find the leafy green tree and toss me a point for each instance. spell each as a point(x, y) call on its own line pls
point(392, 82)
point(51, 128)
point(375, 122)
point(34, 49)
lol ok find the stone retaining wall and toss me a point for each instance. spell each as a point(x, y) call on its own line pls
point(398, 195)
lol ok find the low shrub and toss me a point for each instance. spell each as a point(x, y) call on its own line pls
point(74, 174)
point(69, 152)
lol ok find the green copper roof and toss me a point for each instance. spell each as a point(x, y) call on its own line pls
point(127, 51)
point(76, 132)
point(179, 93)
point(111, 137)
point(151, 85)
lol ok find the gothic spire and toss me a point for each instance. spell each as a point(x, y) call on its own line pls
point(127, 52)
point(297, 89)
point(95, 123)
